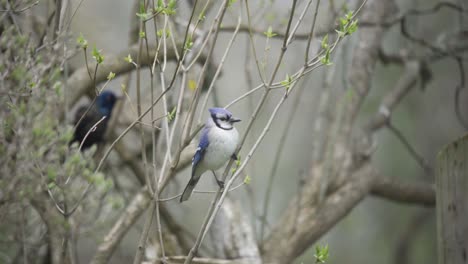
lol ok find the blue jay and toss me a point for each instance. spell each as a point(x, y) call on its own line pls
point(218, 142)
point(103, 107)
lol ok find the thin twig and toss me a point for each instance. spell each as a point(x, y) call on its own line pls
point(218, 70)
point(198, 191)
point(91, 130)
point(312, 31)
point(419, 159)
point(252, 42)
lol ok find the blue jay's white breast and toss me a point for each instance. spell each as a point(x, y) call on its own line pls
point(222, 145)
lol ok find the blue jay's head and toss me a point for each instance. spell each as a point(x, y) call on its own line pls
point(105, 102)
point(222, 118)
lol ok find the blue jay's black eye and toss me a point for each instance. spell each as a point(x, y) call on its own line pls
point(222, 118)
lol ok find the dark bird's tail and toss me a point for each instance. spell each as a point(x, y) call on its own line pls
point(189, 189)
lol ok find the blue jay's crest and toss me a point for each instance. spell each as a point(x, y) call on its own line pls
point(105, 102)
point(220, 112)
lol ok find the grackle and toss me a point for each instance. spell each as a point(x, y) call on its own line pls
point(102, 107)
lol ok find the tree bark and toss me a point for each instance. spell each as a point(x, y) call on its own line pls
point(452, 203)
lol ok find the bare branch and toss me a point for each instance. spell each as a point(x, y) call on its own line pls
point(406, 82)
point(404, 192)
point(287, 241)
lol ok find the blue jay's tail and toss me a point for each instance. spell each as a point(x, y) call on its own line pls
point(189, 189)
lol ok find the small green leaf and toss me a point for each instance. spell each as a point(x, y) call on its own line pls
point(343, 22)
point(202, 16)
point(171, 115)
point(326, 59)
point(321, 254)
point(160, 32)
point(142, 34)
point(143, 16)
point(325, 42)
point(97, 56)
point(352, 27)
point(160, 7)
point(128, 58)
point(189, 43)
point(269, 33)
point(238, 161)
point(237, 164)
point(171, 4)
point(247, 179)
point(347, 25)
point(142, 6)
point(51, 185)
point(171, 7)
point(110, 76)
point(287, 82)
point(82, 42)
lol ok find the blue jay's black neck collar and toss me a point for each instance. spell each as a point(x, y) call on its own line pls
point(215, 120)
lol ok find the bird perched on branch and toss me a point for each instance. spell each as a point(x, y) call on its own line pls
point(218, 142)
point(86, 119)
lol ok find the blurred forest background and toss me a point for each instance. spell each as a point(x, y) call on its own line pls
point(353, 146)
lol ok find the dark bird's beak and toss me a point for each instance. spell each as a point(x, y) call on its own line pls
point(234, 120)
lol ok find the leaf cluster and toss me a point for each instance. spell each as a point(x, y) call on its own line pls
point(36, 160)
point(347, 24)
point(321, 254)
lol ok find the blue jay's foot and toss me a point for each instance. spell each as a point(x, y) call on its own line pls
point(234, 157)
point(218, 181)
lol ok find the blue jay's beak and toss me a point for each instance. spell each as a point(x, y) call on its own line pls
point(234, 120)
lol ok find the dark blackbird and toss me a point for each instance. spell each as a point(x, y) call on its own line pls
point(102, 107)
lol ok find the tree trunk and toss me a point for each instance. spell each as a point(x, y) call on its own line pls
point(452, 202)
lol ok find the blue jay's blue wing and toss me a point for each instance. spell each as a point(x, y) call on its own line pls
point(200, 150)
point(204, 142)
point(202, 145)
